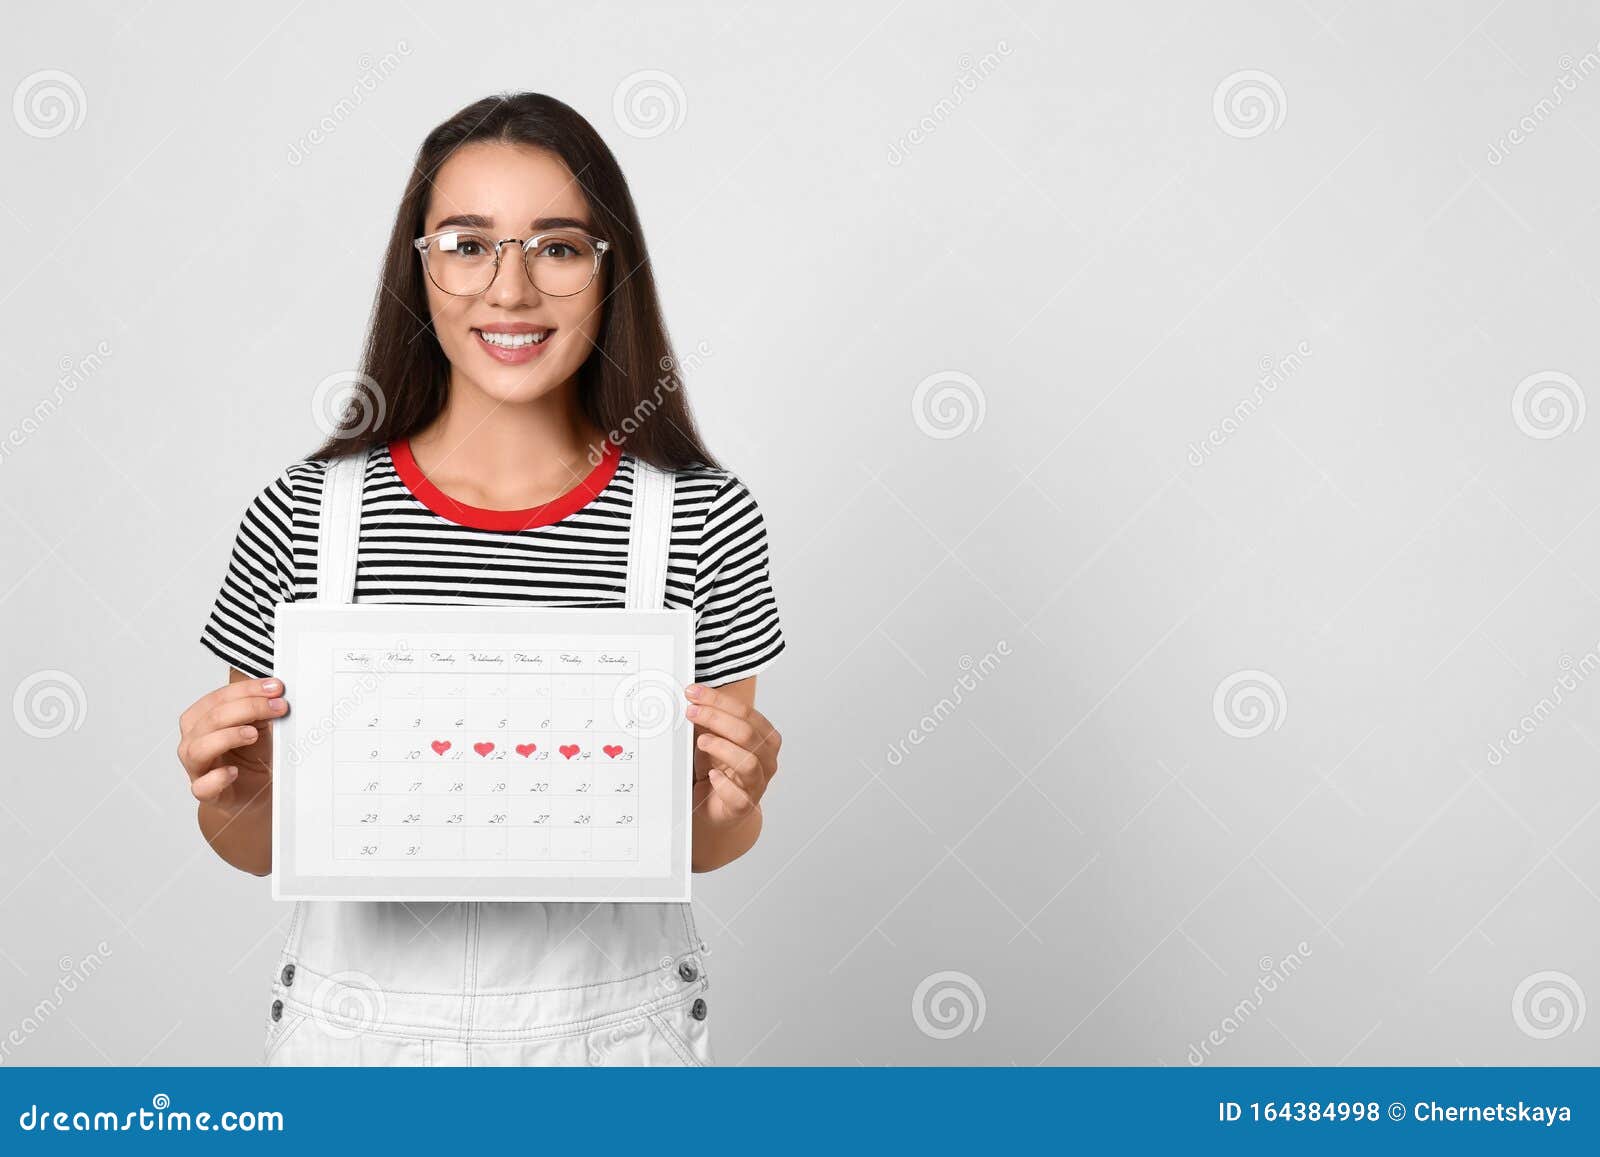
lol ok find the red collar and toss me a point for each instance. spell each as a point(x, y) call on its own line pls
point(480, 518)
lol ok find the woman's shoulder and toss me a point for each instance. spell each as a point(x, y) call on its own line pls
point(700, 479)
point(290, 496)
point(303, 475)
point(709, 495)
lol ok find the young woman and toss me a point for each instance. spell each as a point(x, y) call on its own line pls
point(522, 374)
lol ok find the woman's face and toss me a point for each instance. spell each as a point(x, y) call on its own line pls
point(507, 190)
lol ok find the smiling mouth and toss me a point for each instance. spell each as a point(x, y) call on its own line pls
point(513, 341)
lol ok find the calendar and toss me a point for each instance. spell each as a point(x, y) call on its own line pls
point(482, 753)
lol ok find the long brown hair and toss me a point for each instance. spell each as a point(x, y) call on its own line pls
point(629, 386)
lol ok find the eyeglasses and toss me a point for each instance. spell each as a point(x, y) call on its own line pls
point(462, 262)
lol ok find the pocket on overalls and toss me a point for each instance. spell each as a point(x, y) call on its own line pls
point(683, 1027)
point(282, 1023)
point(297, 1036)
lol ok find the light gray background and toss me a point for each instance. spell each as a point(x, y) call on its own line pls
point(1080, 851)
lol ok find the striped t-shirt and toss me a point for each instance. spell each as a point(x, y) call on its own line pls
point(418, 545)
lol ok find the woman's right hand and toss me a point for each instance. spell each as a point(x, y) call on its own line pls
point(225, 745)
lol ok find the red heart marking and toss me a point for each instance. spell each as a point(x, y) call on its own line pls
point(569, 749)
point(526, 749)
point(440, 746)
point(612, 749)
point(483, 748)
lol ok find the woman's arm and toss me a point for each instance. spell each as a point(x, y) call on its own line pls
point(735, 759)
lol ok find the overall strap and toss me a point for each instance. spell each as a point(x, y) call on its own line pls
point(649, 536)
point(339, 528)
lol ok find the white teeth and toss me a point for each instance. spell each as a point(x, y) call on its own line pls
point(511, 341)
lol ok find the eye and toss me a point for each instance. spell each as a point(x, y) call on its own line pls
point(465, 246)
point(558, 249)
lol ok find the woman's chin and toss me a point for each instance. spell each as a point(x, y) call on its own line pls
point(510, 385)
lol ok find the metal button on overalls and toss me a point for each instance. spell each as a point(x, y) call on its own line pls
point(698, 1009)
point(490, 983)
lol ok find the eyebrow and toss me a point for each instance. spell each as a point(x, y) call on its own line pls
point(479, 221)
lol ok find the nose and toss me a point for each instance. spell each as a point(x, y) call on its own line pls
point(512, 284)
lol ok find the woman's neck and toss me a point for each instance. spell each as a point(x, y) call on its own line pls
point(508, 456)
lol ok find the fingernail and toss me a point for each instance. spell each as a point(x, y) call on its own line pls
point(233, 773)
point(249, 733)
point(703, 741)
point(272, 686)
point(694, 690)
point(694, 710)
point(276, 704)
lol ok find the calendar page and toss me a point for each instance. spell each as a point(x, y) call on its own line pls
point(482, 753)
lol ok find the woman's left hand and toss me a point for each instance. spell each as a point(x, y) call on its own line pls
point(736, 753)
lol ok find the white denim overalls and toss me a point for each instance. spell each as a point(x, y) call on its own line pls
point(504, 983)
